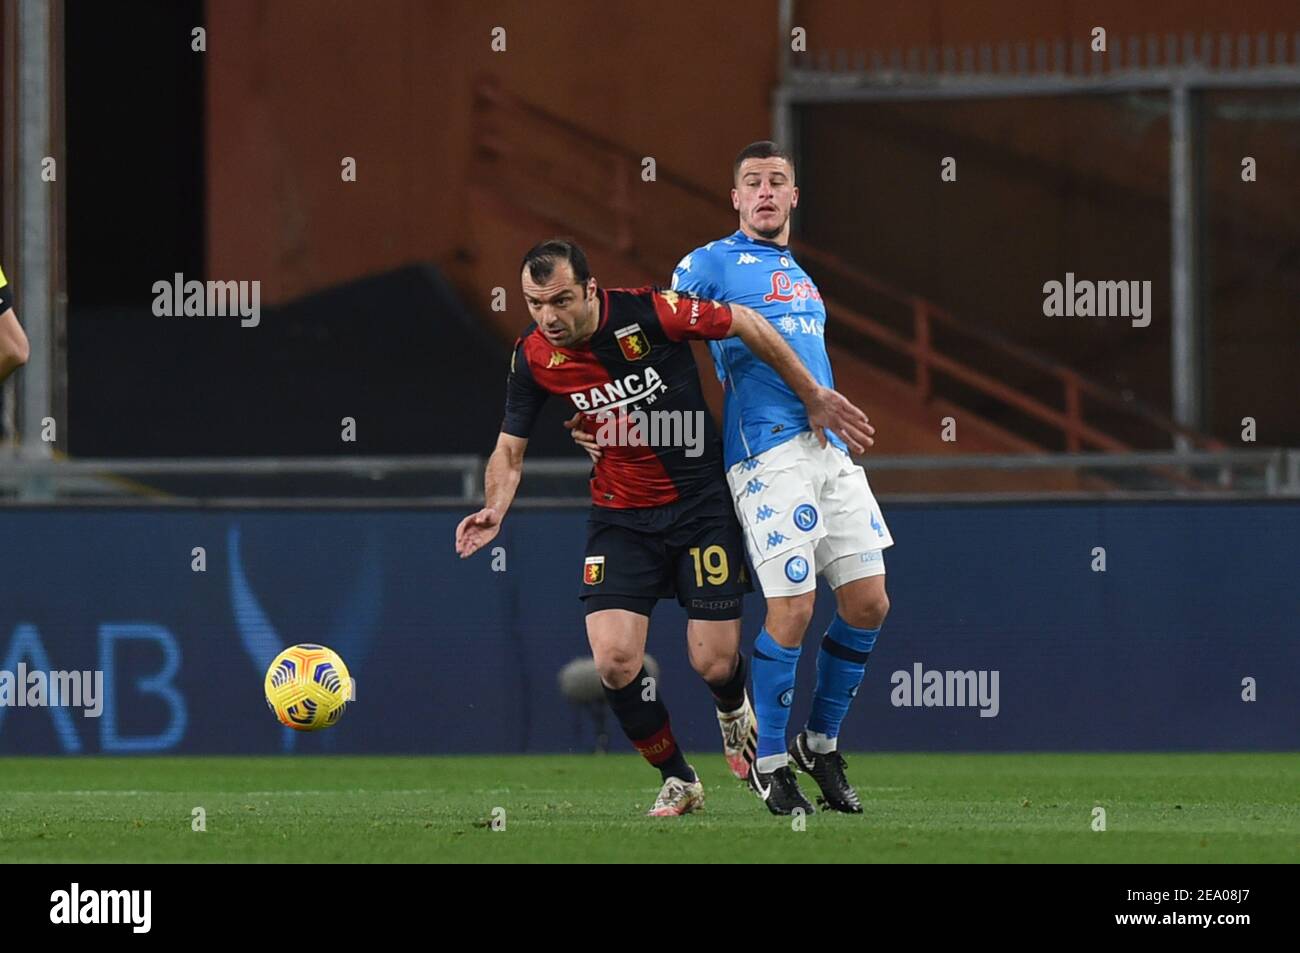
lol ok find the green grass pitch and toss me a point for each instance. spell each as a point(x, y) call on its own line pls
point(919, 807)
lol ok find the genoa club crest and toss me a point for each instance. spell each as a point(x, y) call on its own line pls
point(633, 342)
point(593, 573)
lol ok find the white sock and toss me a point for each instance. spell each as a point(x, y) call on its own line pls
point(772, 762)
point(821, 744)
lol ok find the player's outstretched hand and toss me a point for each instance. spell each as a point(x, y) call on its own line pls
point(583, 439)
point(831, 410)
point(476, 531)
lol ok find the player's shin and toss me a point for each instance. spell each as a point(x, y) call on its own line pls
point(841, 665)
point(774, 671)
point(644, 719)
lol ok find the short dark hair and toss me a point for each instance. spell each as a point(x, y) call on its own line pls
point(763, 149)
point(544, 256)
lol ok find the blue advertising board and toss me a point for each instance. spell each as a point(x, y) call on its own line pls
point(1187, 640)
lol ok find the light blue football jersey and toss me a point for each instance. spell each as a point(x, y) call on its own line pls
point(760, 411)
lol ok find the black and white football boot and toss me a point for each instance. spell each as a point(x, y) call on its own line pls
point(779, 790)
point(828, 771)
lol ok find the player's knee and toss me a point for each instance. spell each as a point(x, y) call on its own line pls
point(715, 669)
point(868, 611)
point(788, 618)
point(617, 668)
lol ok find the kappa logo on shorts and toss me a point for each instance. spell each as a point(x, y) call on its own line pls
point(875, 524)
point(593, 573)
point(764, 512)
point(754, 486)
point(805, 516)
point(796, 569)
point(747, 465)
point(775, 538)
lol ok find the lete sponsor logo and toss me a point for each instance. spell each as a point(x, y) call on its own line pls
point(784, 289)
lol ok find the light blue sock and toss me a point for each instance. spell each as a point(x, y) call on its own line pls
point(774, 668)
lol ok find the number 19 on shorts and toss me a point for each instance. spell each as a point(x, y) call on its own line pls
point(711, 562)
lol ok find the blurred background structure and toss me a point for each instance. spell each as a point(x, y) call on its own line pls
point(144, 140)
point(224, 163)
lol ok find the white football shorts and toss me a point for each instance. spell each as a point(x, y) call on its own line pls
point(808, 511)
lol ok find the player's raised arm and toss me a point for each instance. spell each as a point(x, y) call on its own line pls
point(505, 468)
point(827, 408)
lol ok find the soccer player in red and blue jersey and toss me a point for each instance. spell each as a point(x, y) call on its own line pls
point(661, 523)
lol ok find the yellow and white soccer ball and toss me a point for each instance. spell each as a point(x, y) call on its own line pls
point(308, 686)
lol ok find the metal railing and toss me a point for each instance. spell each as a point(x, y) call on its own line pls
point(1149, 61)
point(556, 170)
point(457, 480)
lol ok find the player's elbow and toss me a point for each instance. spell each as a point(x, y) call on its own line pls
point(14, 351)
point(742, 320)
point(513, 461)
point(22, 350)
point(509, 453)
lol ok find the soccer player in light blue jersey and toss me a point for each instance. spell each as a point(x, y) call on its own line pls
point(806, 507)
